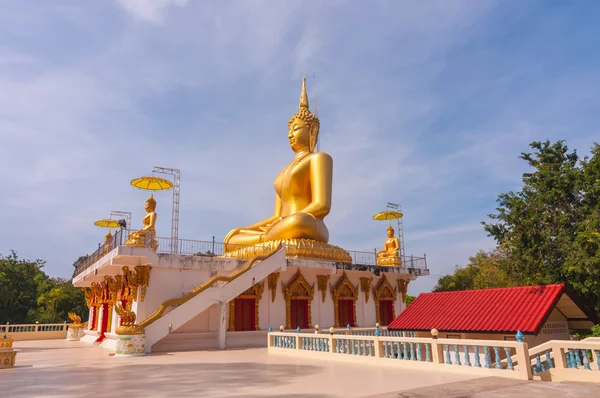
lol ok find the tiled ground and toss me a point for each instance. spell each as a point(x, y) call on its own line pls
point(57, 368)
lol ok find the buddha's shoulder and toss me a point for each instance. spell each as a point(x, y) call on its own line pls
point(321, 157)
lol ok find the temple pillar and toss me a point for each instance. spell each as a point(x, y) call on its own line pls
point(222, 329)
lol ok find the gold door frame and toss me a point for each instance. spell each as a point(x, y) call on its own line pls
point(297, 289)
point(384, 292)
point(254, 292)
point(343, 290)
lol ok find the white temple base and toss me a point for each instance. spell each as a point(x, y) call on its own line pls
point(131, 345)
point(74, 334)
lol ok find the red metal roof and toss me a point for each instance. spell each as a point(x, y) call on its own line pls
point(511, 309)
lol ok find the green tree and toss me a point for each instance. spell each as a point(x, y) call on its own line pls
point(60, 299)
point(551, 225)
point(20, 281)
point(486, 269)
point(409, 299)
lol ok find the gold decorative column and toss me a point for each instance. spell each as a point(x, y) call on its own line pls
point(273, 285)
point(403, 288)
point(322, 281)
point(365, 286)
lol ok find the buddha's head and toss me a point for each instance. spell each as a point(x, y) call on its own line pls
point(303, 127)
point(390, 232)
point(150, 204)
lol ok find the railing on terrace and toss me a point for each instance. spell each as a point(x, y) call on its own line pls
point(360, 260)
point(565, 360)
point(483, 357)
point(35, 331)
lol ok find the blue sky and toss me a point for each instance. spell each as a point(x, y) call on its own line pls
point(427, 104)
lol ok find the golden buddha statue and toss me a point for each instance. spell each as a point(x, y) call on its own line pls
point(302, 196)
point(107, 243)
point(140, 237)
point(390, 255)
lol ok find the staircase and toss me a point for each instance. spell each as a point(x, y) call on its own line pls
point(213, 294)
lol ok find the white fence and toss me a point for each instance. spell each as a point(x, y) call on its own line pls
point(556, 360)
point(35, 331)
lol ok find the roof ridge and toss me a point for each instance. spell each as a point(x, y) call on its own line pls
point(495, 288)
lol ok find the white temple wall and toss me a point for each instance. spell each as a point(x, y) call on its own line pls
point(168, 283)
point(206, 321)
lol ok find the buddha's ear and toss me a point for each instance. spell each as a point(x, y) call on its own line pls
point(314, 136)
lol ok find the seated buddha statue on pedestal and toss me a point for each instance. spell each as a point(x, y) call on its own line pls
point(145, 237)
point(302, 199)
point(390, 255)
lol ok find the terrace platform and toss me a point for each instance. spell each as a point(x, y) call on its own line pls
point(58, 368)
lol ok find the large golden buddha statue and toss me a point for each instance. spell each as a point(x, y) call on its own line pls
point(390, 255)
point(147, 233)
point(302, 197)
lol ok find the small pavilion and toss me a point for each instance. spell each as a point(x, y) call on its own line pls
point(541, 313)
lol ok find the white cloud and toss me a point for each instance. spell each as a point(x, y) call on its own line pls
point(150, 10)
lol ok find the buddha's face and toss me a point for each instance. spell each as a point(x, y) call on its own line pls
point(390, 233)
point(299, 135)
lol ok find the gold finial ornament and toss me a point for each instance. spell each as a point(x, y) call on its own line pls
point(302, 199)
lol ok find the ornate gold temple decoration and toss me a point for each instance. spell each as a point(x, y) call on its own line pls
point(145, 237)
point(74, 317)
point(365, 286)
point(76, 321)
point(273, 285)
point(390, 256)
point(322, 281)
point(297, 289)
point(202, 287)
point(303, 200)
point(343, 290)
point(403, 287)
point(140, 277)
point(384, 291)
point(254, 292)
point(128, 325)
point(304, 249)
point(131, 280)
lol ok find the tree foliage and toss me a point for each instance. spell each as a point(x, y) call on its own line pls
point(27, 294)
point(546, 232)
point(486, 269)
point(552, 225)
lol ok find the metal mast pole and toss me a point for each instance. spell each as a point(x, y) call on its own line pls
point(175, 215)
point(400, 227)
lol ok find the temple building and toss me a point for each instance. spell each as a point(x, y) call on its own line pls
point(281, 271)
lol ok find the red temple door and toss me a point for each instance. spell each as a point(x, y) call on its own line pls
point(346, 313)
point(244, 314)
point(299, 314)
point(386, 312)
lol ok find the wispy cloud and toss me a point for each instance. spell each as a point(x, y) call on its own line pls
point(428, 105)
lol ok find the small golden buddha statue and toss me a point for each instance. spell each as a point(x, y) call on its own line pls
point(107, 242)
point(140, 237)
point(302, 193)
point(390, 255)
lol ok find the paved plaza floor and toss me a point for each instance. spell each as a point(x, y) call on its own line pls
point(57, 368)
